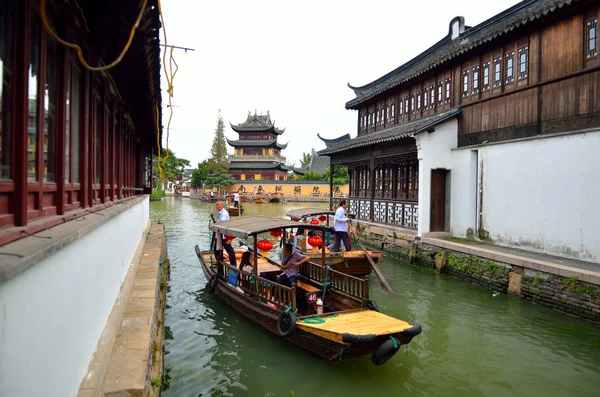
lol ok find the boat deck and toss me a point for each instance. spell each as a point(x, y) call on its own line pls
point(356, 322)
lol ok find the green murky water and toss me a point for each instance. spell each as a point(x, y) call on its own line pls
point(473, 344)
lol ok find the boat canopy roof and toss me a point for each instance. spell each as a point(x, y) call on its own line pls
point(304, 212)
point(247, 226)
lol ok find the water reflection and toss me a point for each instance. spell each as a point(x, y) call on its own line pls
point(472, 343)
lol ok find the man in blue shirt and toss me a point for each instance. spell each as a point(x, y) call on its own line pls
point(340, 225)
point(290, 264)
point(221, 241)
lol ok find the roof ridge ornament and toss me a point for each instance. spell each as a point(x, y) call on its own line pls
point(457, 27)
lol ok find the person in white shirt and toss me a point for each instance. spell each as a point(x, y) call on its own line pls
point(221, 241)
point(340, 225)
point(236, 200)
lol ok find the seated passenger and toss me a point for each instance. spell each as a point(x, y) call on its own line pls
point(246, 262)
point(290, 264)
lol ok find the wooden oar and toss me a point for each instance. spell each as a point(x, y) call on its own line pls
point(380, 277)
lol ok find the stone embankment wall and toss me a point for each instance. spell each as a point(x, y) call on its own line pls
point(564, 293)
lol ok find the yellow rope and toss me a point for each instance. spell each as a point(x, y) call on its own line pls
point(78, 49)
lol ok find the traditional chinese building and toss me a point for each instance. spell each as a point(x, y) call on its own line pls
point(75, 172)
point(257, 153)
point(493, 131)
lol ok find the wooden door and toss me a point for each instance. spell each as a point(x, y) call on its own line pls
point(438, 201)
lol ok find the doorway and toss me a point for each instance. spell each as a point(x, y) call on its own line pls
point(438, 201)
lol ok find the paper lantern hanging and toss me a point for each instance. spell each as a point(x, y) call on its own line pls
point(276, 234)
point(265, 246)
point(322, 218)
point(295, 219)
point(229, 238)
point(315, 241)
point(314, 222)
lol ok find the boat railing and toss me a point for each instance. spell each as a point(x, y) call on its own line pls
point(277, 294)
point(349, 285)
point(266, 290)
point(312, 271)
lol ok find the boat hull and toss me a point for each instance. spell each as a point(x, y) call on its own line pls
point(235, 211)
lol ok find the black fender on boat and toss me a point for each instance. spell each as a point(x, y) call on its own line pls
point(351, 338)
point(414, 331)
point(370, 304)
point(385, 351)
point(286, 323)
point(212, 283)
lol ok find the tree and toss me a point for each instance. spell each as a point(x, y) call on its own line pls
point(199, 174)
point(218, 151)
point(340, 175)
point(172, 167)
point(306, 158)
point(311, 176)
point(218, 178)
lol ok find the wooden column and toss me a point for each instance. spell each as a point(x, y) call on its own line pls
point(21, 111)
point(372, 189)
point(331, 169)
point(61, 128)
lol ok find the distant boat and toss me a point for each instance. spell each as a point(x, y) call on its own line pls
point(233, 211)
point(260, 200)
point(185, 194)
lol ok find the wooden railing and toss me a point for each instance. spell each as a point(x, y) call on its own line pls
point(277, 294)
point(266, 290)
point(312, 271)
point(349, 285)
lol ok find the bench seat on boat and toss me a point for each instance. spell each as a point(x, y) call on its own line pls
point(307, 287)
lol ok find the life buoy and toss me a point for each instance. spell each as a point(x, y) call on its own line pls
point(286, 323)
point(385, 351)
point(212, 283)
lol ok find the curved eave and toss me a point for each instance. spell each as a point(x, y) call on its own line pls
point(466, 42)
point(261, 144)
point(253, 128)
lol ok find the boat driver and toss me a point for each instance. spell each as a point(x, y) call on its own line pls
point(290, 263)
point(340, 224)
point(221, 241)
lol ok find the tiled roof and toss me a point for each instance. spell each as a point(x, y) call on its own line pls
point(334, 141)
point(319, 164)
point(257, 143)
point(257, 123)
point(518, 16)
point(251, 165)
point(393, 133)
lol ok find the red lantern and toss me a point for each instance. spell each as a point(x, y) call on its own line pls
point(314, 222)
point(228, 238)
point(265, 246)
point(295, 219)
point(315, 241)
point(276, 234)
point(322, 218)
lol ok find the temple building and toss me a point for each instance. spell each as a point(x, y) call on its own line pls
point(257, 154)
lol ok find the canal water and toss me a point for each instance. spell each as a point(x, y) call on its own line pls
point(473, 343)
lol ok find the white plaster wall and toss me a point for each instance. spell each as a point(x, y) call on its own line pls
point(53, 314)
point(464, 192)
point(434, 151)
point(544, 194)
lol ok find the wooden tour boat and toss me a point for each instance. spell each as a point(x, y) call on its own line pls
point(233, 211)
point(350, 324)
point(260, 200)
point(354, 262)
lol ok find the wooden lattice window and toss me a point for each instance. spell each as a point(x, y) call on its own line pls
point(425, 103)
point(498, 72)
point(486, 76)
point(406, 109)
point(401, 107)
point(432, 95)
point(510, 67)
point(447, 83)
point(393, 110)
point(419, 100)
point(476, 80)
point(440, 93)
point(591, 38)
point(465, 83)
point(412, 103)
point(523, 62)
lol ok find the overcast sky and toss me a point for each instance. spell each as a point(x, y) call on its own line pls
point(293, 59)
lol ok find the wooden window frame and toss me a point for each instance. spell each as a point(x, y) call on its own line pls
point(418, 101)
point(425, 99)
point(498, 72)
point(486, 69)
point(440, 97)
point(590, 52)
point(465, 83)
point(475, 81)
point(448, 84)
point(509, 58)
point(523, 51)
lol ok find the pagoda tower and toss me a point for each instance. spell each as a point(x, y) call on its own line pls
point(257, 154)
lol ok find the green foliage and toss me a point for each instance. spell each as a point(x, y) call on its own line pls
point(340, 175)
point(218, 151)
point(156, 382)
point(537, 279)
point(306, 159)
point(157, 194)
point(310, 176)
point(172, 168)
point(218, 178)
point(200, 174)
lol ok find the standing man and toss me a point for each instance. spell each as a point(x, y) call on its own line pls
point(221, 241)
point(340, 224)
point(236, 199)
point(290, 264)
